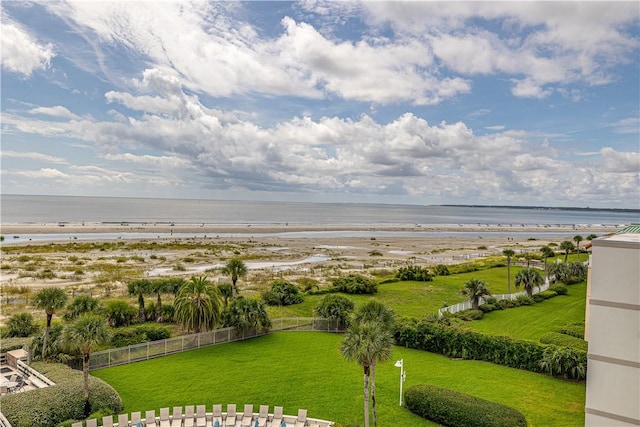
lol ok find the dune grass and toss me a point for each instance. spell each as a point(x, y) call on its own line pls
point(533, 321)
point(305, 370)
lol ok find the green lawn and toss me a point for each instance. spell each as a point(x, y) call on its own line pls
point(531, 322)
point(413, 299)
point(305, 370)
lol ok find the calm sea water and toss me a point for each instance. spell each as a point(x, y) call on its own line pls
point(17, 209)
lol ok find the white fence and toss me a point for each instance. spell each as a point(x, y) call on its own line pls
point(153, 349)
point(465, 305)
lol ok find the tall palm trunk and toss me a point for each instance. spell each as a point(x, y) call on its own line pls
point(373, 394)
point(509, 276)
point(85, 385)
point(233, 288)
point(45, 341)
point(366, 396)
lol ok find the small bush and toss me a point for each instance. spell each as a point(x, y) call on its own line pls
point(538, 298)
point(441, 270)
point(574, 329)
point(548, 294)
point(452, 408)
point(488, 308)
point(282, 293)
point(562, 340)
point(413, 273)
point(492, 300)
point(469, 315)
point(524, 300)
point(505, 303)
point(355, 284)
point(20, 325)
point(559, 289)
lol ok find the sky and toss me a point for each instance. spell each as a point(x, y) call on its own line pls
point(491, 103)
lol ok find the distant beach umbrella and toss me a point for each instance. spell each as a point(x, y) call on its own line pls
point(283, 424)
point(216, 424)
point(256, 424)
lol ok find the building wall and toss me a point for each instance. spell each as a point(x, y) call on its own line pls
point(613, 366)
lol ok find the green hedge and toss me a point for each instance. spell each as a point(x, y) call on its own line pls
point(46, 407)
point(455, 409)
point(453, 341)
point(563, 340)
point(559, 288)
point(548, 294)
point(573, 329)
point(469, 314)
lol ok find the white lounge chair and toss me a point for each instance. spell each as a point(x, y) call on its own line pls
point(301, 421)
point(230, 420)
point(189, 416)
point(277, 416)
point(247, 416)
point(263, 415)
point(201, 416)
point(78, 424)
point(150, 418)
point(123, 420)
point(216, 415)
point(176, 421)
point(164, 417)
point(107, 421)
point(92, 422)
point(136, 419)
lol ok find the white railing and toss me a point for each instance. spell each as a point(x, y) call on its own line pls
point(159, 348)
point(466, 305)
point(30, 372)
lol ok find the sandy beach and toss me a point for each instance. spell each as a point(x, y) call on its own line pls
point(100, 259)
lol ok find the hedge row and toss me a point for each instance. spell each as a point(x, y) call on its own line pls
point(452, 408)
point(501, 350)
point(563, 340)
point(46, 407)
point(573, 329)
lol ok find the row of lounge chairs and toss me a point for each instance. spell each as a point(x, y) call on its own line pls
point(197, 416)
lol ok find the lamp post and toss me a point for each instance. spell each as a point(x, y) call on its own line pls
point(403, 375)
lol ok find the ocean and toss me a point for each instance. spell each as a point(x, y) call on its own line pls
point(22, 209)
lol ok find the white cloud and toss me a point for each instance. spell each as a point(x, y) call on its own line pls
point(22, 53)
point(627, 126)
point(56, 111)
point(32, 155)
point(620, 162)
point(159, 161)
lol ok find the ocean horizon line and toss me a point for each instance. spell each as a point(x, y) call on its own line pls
point(453, 205)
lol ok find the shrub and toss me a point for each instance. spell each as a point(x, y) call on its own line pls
point(524, 300)
point(46, 407)
point(506, 303)
point(547, 294)
point(413, 273)
point(441, 270)
point(492, 300)
point(335, 307)
point(452, 408)
point(20, 325)
point(502, 350)
point(565, 362)
point(537, 298)
point(355, 284)
point(562, 340)
point(573, 329)
point(138, 334)
point(469, 315)
point(282, 293)
point(559, 289)
point(120, 313)
point(488, 308)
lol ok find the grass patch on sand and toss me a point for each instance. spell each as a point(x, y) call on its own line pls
point(305, 370)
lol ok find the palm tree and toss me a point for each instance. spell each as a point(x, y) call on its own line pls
point(235, 268)
point(226, 291)
point(140, 287)
point(364, 343)
point(567, 247)
point(577, 239)
point(528, 278)
point(508, 253)
point(197, 305)
point(50, 300)
point(376, 312)
point(475, 289)
point(86, 334)
point(80, 305)
point(245, 315)
point(546, 252)
point(159, 287)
